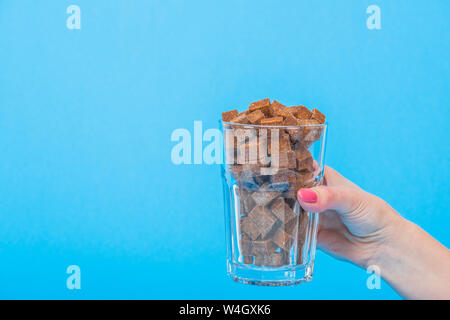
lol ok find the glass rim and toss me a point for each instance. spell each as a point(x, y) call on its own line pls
point(275, 126)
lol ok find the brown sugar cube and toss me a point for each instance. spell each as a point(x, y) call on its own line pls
point(285, 144)
point(249, 204)
point(248, 153)
point(305, 164)
point(278, 187)
point(316, 168)
point(248, 259)
point(255, 116)
point(309, 183)
point(246, 178)
point(244, 135)
point(310, 132)
point(242, 211)
point(274, 121)
point(263, 247)
point(317, 115)
point(313, 135)
point(243, 193)
point(262, 179)
point(259, 260)
point(263, 151)
point(305, 179)
point(244, 172)
point(263, 219)
point(274, 133)
point(279, 110)
point(273, 260)
point(300, 259)
point(245, 247)
point(242, 196)
point(292, 159)
point(285, 254)
point(282, 239)
point(253, 153)
point(302, 112)
point(246, 200)
point(228, 115)
point(235, 170)
point(282, 179)
point(291, 226)
point(290, 120)
point(262, 105)
point(277, 106)
point(276, 259)
point(302, 152)
point(285, 113)
point(284, 176)
point(230, 150)
point(286, 160)
point(301, 236)
point(304, 160)
point(296, 135)
point(303, 226)
point(249, 228)
point(263, 197)
point(252, 169)
point(241, 118)
point(308, 122)
point(301, 145)
point(290, 197)
point(293, 110)
point(297, 145)
point(282, 211)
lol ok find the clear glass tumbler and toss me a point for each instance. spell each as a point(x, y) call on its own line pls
point(271, 240)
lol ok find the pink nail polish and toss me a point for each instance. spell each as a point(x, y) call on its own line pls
point(307, 195)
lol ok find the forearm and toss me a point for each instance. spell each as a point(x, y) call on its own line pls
point(414, 264)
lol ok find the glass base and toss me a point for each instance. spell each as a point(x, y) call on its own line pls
point(271, 277)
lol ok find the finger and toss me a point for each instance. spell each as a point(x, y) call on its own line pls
point(336, 245)
point(330, 241)
point(343, 199)
point(330, 220)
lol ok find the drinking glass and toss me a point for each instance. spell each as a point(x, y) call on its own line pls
point(271, 240)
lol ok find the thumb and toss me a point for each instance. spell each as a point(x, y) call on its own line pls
point(344, 200)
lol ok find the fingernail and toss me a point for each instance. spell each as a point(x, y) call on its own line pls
point(307, 195)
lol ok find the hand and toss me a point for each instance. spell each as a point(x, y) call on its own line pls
point(354, 225)
point(363, 229)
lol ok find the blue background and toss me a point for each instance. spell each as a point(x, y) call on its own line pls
point(86, 116)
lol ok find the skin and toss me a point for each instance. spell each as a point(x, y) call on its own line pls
point(359, 227)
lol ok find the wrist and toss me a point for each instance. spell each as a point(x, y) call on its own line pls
point(413, 263)
point(391, 246)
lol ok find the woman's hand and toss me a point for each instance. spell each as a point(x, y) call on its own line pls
point(362, 228)
point(354, 225)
